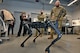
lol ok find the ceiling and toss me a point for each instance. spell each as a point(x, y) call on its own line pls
point(63, 2)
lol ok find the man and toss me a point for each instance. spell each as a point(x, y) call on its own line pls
point(27, 20)
point(11, 26)
point(7, 16)
point(54, 17)
point(22, 18)
point(40, 17)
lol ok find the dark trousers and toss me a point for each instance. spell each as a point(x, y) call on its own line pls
point(20, 29)
point(10, 27)
point(24, 31)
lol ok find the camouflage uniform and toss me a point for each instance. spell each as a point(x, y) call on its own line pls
point(54, 14)
point(40, 19)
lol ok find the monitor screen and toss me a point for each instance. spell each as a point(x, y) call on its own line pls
point(67, 24)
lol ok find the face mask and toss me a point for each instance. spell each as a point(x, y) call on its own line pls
point(41, 12)
point(57, 5)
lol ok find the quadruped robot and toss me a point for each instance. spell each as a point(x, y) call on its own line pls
point(44, 24)
point(38, 25)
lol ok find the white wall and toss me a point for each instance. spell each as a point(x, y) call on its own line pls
point(29, 7)
point(76, 15)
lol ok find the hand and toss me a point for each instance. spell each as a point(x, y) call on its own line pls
point(12, 22)
point(52, 17)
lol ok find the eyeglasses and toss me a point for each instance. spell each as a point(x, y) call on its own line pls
point(24, 16)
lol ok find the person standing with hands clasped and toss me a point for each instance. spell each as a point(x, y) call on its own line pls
point(22, 18)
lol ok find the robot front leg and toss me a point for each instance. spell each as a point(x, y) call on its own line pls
point(47, 50)
point(30, 34)
point(22, 44)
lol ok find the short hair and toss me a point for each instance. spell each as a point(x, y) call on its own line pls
point(58, 1)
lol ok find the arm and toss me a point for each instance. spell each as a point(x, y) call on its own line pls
point(21, 18)
point(51, 13)
point(61, 14)
point(52, 16)
point(64, 12)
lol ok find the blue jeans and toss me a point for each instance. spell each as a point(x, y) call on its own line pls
point(54, 26)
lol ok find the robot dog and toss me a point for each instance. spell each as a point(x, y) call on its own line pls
point(44, 24)
point(37, 25)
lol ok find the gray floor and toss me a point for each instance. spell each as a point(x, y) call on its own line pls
point(67, 44)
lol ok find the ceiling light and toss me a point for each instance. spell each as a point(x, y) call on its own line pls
point(50, 1)
point(72, 2)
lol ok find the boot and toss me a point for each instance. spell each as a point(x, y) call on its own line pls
point(51, 37)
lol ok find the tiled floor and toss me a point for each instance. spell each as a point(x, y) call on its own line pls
point(67, 44)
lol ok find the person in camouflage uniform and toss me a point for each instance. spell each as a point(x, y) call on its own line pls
point(54, 16)
point(41, 18)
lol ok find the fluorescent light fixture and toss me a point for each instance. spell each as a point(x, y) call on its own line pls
point(50, 1)
point(72, 2)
